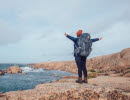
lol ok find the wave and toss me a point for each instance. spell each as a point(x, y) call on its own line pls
point(28, 69)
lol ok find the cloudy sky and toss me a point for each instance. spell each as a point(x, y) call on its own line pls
point(33, 30)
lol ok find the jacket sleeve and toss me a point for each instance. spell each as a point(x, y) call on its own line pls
point(71, 38)
point(94, 40)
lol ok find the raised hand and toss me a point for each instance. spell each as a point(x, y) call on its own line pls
point(65, 34)
point(100, 38)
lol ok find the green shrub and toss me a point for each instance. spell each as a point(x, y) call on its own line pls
point(92, 75)
point(92, 70)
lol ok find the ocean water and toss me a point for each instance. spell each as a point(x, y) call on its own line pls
point(15, 82)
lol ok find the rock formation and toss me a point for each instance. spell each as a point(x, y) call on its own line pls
point(117, 62)
point(1, 72)
point(14, 69)
point(67, 89)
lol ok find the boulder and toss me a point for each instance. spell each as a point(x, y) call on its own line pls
point(14, 69)
point(1, 72)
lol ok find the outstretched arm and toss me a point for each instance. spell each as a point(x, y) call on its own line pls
point(70, 37)
point(96, 39)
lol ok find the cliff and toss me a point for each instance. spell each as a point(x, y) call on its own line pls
point(117, 62)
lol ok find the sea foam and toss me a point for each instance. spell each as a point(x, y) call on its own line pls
point(28, 69)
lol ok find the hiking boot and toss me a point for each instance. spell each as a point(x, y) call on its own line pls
point(79, 80)
point(85, 80)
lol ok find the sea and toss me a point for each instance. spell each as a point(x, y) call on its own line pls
point(15, 82)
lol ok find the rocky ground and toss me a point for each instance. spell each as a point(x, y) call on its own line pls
point(109, 79)
point(99, 88)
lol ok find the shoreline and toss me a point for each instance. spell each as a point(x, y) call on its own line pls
point(106, 82)
point(90, 88)
point(51, 81)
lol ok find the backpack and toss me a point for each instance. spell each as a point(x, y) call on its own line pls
point(84, 45)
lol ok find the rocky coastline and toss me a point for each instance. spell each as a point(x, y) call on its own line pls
point(109, 79)
point(118, 63)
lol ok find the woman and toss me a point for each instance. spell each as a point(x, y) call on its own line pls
point(80, 60)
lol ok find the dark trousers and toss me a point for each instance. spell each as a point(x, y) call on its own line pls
point(81, 64)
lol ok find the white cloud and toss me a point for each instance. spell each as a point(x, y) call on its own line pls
point(34, 29)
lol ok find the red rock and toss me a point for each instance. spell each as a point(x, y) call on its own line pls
point(14, 69)
point(113, 62)
point(68, 89)
point(1, 72)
